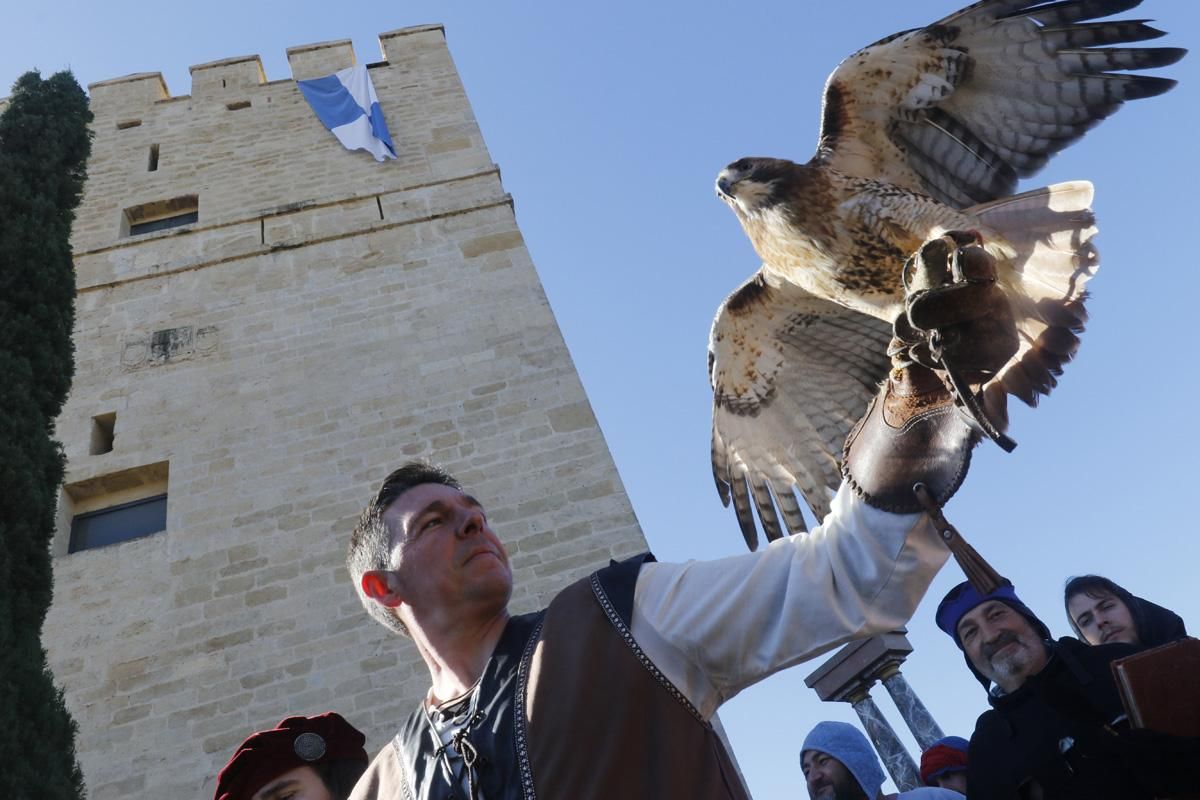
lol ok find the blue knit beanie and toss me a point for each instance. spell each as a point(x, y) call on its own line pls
point(962, 599)
point(848, 745)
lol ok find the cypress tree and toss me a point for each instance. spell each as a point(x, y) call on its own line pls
point(44, 146)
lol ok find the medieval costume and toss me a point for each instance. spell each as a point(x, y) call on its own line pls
point(610, 691)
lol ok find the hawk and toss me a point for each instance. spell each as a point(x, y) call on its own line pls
point(923, 132)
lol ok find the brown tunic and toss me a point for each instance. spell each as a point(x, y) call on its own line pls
point(601, 721)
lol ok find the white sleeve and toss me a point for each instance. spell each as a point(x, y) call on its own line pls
point(716, 627)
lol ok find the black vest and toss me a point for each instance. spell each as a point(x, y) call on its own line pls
point(492, 736)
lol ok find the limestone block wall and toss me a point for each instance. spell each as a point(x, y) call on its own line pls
point(325, 319)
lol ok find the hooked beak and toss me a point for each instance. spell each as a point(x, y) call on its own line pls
point(725, 183)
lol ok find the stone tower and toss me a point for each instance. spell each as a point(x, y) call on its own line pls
point(267, 324)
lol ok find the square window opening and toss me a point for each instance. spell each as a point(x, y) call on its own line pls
point(112, 508)
point(102, 433)
point(120, 523)
point(160, 215)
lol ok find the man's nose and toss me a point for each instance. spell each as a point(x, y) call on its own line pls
point(471, 524)
point(990, 633)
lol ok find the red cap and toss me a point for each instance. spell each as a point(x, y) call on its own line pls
point(948, 754)
point(294, 742)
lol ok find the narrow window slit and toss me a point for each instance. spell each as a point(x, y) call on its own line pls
point(102, 433)
point(153, 164)
point(379, 205)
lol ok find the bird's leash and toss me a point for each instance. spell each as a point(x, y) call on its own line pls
point(967, 400)
point(982, 576)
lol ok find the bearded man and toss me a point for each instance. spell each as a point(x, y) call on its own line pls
point(839, 764)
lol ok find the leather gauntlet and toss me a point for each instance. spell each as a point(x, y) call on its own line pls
point(912, 432)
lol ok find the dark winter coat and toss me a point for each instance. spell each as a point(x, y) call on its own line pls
point(1064, 732)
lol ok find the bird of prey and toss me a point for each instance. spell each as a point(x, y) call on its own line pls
point(925, 131)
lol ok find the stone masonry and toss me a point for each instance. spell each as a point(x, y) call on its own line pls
point(325, 318)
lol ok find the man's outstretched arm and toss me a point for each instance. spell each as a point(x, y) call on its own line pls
point(716, 627)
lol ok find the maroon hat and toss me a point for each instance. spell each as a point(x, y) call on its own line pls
point(294, 742)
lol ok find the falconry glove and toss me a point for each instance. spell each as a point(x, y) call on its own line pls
point(912, 433)
point(955, 334)
point(958, 322)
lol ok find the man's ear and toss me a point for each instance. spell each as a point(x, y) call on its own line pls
point(383, 587)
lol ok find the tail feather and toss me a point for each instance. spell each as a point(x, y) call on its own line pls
point(1045, 257)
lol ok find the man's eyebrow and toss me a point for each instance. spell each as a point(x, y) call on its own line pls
point(432, 506)
point(275, 788)
point(438, 506)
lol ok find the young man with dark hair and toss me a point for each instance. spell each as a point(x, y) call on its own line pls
point(1101, 612)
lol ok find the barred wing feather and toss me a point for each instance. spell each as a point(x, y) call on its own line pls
point(965, 107)
point(791, 374)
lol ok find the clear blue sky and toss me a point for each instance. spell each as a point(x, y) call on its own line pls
point(610, 122)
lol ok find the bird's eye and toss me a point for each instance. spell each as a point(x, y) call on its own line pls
point(742, 165)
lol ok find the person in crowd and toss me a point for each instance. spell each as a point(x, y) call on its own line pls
point(301, 758)
point(1056, 727)
point(839, 764)
point(1101, 612)
point(944, 764)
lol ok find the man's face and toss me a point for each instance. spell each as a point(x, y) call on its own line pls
point(448, 561)
point(1102, 618)
point(955, 781)
point(301, 783)
point(1001, 644)
point(828, 779)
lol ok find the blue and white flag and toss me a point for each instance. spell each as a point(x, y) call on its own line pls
point(346, 102)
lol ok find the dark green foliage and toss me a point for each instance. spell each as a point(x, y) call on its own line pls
point(44, 145)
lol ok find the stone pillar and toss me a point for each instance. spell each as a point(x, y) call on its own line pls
point(896, 759)
point(922, 724)
point(848, 677)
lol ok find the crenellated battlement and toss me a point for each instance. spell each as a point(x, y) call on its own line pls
point(132, 94)
point(241, 147)
point(227, 76)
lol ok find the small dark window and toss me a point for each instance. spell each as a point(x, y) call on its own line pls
point(118, 524)
point(161, 214)
point(153, 158)
point(164, 223)
point(102, 433)
point(125, 125)
point(238, 106)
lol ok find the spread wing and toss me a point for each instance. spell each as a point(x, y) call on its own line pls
point(963, 108)
point(791, 374)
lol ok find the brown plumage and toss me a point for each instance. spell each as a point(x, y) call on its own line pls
point(923, 132)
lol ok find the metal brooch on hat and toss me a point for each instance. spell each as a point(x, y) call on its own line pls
point(309, 746)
